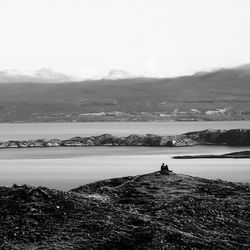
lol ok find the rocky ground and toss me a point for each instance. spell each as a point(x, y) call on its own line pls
point(237, 137)
point(235, 155)
point(152, 211)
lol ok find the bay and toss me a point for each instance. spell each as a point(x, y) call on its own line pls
point(68, 167)
point(25, 131)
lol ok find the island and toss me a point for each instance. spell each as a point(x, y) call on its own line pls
point(233, 137)
point(160, 210)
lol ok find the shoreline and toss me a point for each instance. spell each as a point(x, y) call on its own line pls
point(233, 155)
point(234, 137)
point(121, 121)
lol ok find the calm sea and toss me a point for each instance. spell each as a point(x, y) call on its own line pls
point(66, 168)
point(21, 131)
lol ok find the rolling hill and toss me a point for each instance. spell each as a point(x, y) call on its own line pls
point(223, 94)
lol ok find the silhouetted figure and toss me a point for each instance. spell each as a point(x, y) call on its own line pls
point(164, 169)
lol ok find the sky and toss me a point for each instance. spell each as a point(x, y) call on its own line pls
point(143, 37)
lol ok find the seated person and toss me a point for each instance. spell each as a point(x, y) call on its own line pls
point(164, 169)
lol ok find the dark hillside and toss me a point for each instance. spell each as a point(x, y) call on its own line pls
point(220, 95)
point(153, 211)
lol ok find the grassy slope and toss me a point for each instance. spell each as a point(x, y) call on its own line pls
point(152, 211)
point(225, 88)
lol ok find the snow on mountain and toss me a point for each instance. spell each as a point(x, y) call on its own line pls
point(51, 75)
point(116, 74)
point(43, 75)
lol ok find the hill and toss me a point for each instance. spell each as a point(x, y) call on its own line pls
point(152, 211)
point(43, 75)
point(220, 95)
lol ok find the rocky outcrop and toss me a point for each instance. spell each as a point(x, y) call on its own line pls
point(152, 211)
point(237, 137)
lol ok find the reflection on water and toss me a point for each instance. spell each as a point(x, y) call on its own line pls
point(65, 168)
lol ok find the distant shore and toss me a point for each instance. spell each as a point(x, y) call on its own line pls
point(235, 155)
point(120, 121)
point(232, 137)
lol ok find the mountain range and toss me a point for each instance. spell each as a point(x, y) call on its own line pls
point(223, 94)
point(43, 75)
point(46, 75)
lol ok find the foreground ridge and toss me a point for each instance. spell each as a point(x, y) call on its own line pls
point(151, 211)
point(237, 137)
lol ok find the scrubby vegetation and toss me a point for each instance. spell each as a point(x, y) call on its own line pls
point(153, 211)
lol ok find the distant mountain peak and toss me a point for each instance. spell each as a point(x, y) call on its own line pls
point(43, 75)
point(116, 74)
point(49, 74)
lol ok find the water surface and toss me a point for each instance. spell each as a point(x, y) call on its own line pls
point(66, 168)
point(24, 131)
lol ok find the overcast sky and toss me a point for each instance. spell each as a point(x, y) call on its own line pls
point(153, 37)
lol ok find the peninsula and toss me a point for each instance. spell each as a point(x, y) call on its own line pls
point(235, 155)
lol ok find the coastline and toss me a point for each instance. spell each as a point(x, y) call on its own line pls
point(234, 137)
point(234, 155)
